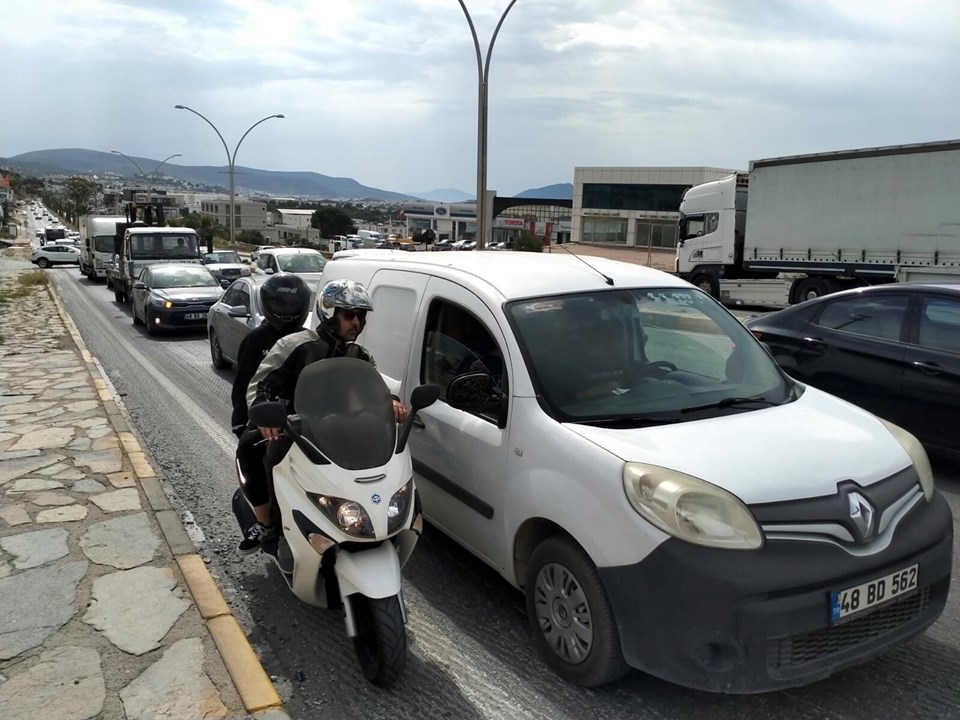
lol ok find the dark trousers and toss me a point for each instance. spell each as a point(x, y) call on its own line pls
point(256, 459)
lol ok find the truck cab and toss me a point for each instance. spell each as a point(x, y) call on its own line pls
point(97, 235)
point(148, 241)
point(710, 237)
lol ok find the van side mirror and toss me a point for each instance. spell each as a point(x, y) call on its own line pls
point(472, 392)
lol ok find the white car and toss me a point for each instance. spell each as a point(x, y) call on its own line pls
point(305, 262)
point(256, 253)
point(55, 255)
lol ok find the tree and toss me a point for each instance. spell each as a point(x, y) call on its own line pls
point(332, 221)
point(80, 194)
point(250, 237)
point(526, 241)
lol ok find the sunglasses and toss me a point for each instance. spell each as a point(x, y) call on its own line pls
point(349, 315)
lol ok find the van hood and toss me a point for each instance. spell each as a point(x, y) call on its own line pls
point(798, 450)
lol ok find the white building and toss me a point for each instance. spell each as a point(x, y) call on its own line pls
point(291, 227)
point(633, 207)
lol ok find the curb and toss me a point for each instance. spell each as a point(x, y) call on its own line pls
point(251, 680)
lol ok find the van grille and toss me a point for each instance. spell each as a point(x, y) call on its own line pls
point(798, 650)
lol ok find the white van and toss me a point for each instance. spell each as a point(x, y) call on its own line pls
point(619, 447)
point(370, 238)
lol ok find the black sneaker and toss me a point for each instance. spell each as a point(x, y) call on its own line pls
point(278, 550)
point(255, 535)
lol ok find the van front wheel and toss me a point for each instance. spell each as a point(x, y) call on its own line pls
point(573, 626)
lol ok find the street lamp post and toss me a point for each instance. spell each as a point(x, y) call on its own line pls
point(231, 159)
point(163, 162)
point(483, 76)
point(117, 152)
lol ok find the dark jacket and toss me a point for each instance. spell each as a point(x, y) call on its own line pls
point(276, 379)
point(253, 349)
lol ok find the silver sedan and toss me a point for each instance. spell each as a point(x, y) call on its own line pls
point(237, 313)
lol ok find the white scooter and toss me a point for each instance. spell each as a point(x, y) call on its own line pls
point(347, 501)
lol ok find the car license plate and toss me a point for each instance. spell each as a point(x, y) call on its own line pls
point(852, 601)
point(194, 316)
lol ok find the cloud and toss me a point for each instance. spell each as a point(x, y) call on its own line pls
point(387, 92)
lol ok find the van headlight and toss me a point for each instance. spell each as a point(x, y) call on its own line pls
point(690, 509)
point(918, 456)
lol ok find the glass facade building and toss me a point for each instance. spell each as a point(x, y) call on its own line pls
point(633, 207)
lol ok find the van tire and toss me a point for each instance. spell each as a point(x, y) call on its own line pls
point(560, 561)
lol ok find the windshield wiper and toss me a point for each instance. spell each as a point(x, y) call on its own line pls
point(729, 402)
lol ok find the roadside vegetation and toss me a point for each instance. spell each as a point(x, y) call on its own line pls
point(21, 286)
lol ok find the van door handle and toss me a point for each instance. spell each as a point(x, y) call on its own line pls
point(930, 368)
point(417, 422)
point(815, 342)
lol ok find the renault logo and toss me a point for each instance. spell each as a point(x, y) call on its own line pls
point(861, 513)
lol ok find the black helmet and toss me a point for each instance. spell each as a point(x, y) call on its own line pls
point(285, 302)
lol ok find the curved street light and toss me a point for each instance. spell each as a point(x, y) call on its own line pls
point(231, 159)
point(162, 162)
point(117, 152)
point(483, 75)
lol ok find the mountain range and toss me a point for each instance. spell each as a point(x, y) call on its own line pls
point(276, 183)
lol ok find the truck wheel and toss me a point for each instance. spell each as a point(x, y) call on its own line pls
point(573, 626)
point(118, 294)
point(43, 262)
point(381, 641)
point(812, 288)
point(216, 352)
point(708, 283)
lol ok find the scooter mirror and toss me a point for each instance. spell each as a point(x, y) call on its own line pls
point(269, 414)
point(424, 396)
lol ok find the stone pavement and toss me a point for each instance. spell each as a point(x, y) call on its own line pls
point(106, 610)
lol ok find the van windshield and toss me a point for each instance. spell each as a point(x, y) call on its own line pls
point(632, 357)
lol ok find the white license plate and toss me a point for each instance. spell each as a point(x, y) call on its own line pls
point(194, 316)
point(844, 603)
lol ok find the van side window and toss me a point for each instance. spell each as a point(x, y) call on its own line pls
point(456, 342)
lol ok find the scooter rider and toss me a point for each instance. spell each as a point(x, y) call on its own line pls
point(341, 310)
point(285, 303)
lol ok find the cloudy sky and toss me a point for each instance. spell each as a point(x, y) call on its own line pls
point(385, 91)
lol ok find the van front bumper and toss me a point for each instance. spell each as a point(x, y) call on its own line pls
point(754, 621)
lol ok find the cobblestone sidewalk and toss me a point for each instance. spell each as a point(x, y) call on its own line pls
point(106, 611)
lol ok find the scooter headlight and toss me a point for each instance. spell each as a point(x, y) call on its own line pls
point(399, 507)
point(348, 515)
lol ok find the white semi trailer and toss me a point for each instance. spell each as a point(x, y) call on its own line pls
point(795, 228)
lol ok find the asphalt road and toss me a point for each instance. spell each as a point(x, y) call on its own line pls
point(470, 655)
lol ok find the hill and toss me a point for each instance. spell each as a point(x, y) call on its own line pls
point(78, 160)
point(444, 195)
point(559, 191)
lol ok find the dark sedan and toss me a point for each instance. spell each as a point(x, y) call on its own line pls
point(891, 349)
point(174, 296)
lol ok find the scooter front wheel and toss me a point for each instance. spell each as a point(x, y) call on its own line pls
point(381, 641)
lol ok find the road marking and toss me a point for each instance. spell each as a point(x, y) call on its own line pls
point(193, 530)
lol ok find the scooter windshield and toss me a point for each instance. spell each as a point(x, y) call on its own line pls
point(346, 410)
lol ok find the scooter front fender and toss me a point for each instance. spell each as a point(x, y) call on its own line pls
point(374, 573)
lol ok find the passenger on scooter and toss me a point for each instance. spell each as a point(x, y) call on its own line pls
point(341, 311)
point(285, 303)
